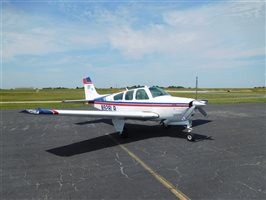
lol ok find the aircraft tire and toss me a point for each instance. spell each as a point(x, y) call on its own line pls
point(165, 126)
point(124, 134)
point(190, 137)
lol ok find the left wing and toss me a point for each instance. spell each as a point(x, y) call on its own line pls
point(95, 113)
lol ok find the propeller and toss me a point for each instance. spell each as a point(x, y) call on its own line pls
point(199, 104)
point(196, 104)
point(203, 112)
point(189, 112)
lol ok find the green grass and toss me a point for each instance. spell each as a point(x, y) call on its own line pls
point(219, 95)
point(222, 95)
point(48, 94)
point(42, 105)
point(235, 101)
point(256, 90)
point(41, 95)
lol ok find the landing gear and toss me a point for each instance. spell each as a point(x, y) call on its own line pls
point(124, 134)
point(190, 137)
point(164, 125)
point(120, 128)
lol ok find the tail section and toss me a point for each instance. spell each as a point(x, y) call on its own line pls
point(90, 91)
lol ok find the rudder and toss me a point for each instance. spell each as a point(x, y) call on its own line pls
point(89, 89)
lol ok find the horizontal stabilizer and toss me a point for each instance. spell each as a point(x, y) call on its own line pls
point(78, 101)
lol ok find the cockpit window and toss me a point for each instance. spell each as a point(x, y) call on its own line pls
point(156, 92)
point(129, 95)
point(141, 94)
point(119, 96)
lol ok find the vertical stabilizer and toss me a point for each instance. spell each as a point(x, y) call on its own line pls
point(90, 91)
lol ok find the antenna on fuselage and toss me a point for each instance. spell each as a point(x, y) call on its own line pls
point(196, 87)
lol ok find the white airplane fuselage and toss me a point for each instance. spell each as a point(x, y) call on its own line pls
point(166, 106)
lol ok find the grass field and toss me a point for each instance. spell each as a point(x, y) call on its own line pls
point(221, 95)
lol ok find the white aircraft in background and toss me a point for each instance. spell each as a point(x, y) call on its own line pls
point(146, 103)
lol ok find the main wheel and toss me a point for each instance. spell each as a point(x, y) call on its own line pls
point(164, 125)
point(124, 133)
point(190, 137)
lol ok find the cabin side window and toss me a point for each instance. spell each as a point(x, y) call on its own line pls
point(129, 95)
point(156, 92)
point(141, 94)
point(119, 96)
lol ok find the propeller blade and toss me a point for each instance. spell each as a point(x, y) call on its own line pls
point(198, 104)
point(203, 112)
point(188, 113)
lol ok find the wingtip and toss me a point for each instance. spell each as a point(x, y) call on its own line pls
point(38, 111)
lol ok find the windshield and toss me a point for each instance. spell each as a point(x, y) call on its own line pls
point(156, 92)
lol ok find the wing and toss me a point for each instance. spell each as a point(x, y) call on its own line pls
point(95, 113)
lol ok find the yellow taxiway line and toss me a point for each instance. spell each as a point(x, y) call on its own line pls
point(180, 195)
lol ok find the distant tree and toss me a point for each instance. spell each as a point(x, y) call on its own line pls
point(173, 86)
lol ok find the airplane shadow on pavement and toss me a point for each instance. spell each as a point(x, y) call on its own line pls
point(137, 132)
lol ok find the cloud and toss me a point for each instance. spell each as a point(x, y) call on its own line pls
point(155, 39)
point(54, 70)
point(222, 31)
point(234, 53)
point(27, 34)
point(189, 31)
point(137, 38)
point(26, 43)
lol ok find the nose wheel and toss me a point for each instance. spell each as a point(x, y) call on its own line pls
point(190, 137)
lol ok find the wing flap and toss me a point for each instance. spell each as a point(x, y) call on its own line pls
point(95, 113)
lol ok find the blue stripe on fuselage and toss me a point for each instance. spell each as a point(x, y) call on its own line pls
point(102, 100)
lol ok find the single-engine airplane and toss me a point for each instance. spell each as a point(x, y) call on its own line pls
point(146, 103)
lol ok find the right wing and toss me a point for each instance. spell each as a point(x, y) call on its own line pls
point(96, 113)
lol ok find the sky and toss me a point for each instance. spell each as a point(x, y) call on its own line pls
point(125, 43)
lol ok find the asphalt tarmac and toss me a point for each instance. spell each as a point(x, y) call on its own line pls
point(62, 157)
